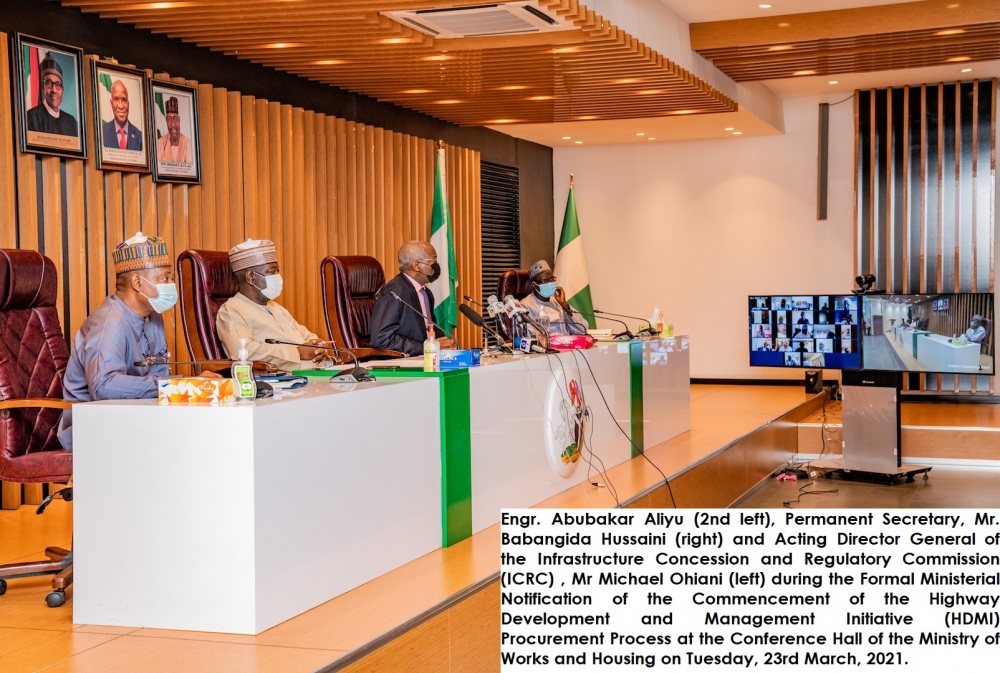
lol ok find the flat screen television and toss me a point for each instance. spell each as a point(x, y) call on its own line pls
point(805, 331)
point(930, 333)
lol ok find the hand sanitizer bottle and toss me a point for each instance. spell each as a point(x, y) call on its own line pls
point(432, 352)
point(246, 387)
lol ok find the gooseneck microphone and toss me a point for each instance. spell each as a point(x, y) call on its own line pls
point(652, 331)
point(358, 374)
point(479, 321)
point(421, 314)
point(627, 332)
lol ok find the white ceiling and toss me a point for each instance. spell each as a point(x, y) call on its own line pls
point(654, 130)
point(800, 87)
point(696, 11)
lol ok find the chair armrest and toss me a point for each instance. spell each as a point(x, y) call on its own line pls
point(36, 402)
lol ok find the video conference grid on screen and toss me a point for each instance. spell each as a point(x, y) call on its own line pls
point(818, 331)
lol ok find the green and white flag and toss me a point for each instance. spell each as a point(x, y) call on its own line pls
point(104, 98)
point(159, 115)
point(446, 286)
point(571, 265)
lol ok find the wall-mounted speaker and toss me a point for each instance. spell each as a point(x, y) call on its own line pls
point(814, 382)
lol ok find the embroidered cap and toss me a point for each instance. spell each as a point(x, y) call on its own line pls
point(251, 253)
point(50, 66)
point(171, 105)
point(140, 252)
point(538, 268)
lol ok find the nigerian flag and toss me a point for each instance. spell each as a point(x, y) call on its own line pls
point(445, 287)
point(571, 265)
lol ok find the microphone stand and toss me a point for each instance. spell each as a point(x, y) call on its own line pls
point(421, 314)
point(358, 374)
point(480, 321)
point(652, 331)
point(627, 333)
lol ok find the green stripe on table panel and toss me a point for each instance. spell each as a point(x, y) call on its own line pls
point(456, 445)
point(635, 397)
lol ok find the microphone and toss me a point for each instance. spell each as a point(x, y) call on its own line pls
point(514, 308)
point(478, 321)
point(421, 314)
point(652, 331)
point(356, 375)
point(495, 308)
point(627, 332)
point(472, 301)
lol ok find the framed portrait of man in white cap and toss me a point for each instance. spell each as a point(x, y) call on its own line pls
point(49, 97)
point(174, 130)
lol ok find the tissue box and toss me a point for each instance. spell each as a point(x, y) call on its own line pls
point(456, 359)
point(191, 390)
point(571, 342)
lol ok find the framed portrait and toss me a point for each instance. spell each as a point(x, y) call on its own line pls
point(121, 118)
point(49, 97)
point(174, 132)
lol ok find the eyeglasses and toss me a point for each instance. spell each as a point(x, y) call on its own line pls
point(52, 84)
point(149, 359)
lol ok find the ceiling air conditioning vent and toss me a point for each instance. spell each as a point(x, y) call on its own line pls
point(512, 18)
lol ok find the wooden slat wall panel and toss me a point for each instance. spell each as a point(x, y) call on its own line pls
point(315, 184)
point(948, 244)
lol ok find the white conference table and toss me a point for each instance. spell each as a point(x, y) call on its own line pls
point(936, 353)
point(235, 518)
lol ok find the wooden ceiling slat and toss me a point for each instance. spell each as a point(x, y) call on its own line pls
point(576, 66)
point(886, 37)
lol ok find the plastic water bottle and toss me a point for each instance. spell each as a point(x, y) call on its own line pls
point(432, 352)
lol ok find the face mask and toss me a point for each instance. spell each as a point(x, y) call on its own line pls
point(272, 289)
point(547, 289)
point(166, 296)
point(435, 272)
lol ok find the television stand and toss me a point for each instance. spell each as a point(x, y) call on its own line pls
point(872, 430)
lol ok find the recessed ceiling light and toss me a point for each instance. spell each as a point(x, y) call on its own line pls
point(800, 73)
point(627, 80)
point(513, 87)
point(833, 81)
point(578, 142)
point(449, 101)
point(566, 50)
point(503, 121)
point(586, 117)
point(436, 57)
point(414, 92)
point(780, 47)
point(764, 6)
point(640, 134)
point(966, 69)
point(394, 40)
point(683, 112)
point(958, 59)
point(567, 137)
point(737, 133)
point(649, 92)
point(784, 25)
point(540, 98)
point(950, 31)
point(650, 138)
point(730, 128)
point(282, 45)
point(331, 61)
point(954, 5)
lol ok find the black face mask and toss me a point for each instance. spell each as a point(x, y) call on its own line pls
point(435, 272)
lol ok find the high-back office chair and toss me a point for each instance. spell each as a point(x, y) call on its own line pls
point(514, 282)
point(206, 283)
point(350, 285)
point(987, 344)
point(33, 358)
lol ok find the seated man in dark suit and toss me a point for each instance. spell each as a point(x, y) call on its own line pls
point(396, 327)
point(120, 132)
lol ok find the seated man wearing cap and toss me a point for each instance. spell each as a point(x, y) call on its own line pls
point(252, 313)
point(124, 330)
point(561, 318)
